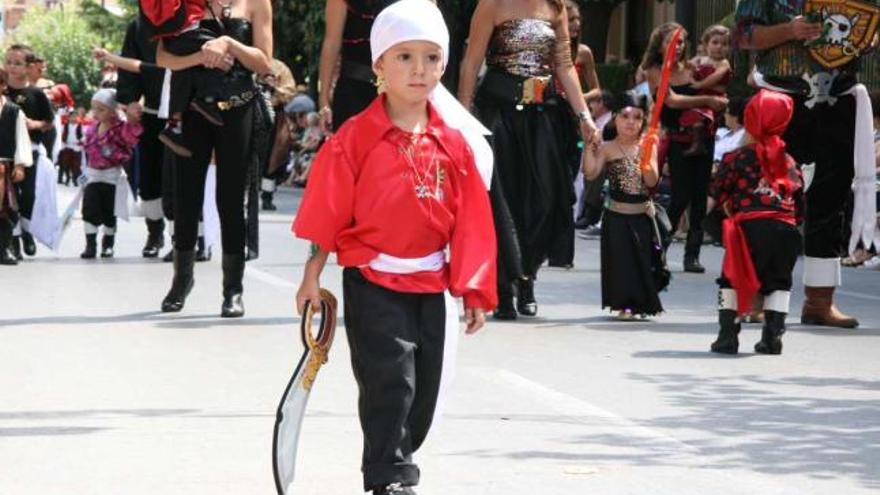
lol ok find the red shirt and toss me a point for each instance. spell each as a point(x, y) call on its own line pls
point(361, 200)
point(160, 12)
point(740, 184)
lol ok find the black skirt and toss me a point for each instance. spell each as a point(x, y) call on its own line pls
point(627, 281)
point(533, 179)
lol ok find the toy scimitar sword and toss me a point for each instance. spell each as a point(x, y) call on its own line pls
point(291, 410)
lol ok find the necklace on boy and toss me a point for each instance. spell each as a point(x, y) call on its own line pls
point(422, 190)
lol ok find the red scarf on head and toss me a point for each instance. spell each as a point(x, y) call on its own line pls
point(766, 117)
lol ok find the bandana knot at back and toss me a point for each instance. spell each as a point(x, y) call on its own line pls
point(767, 117)
point(421, 20)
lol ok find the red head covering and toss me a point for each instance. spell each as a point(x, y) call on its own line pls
point(767, 116)
point(62, 96)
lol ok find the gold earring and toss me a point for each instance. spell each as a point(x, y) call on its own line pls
point(380, 83)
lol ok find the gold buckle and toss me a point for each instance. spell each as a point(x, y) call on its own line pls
point(224, 105)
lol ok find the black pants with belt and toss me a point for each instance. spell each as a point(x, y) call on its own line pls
point(396, 342)
point(690, 187)
point(231, 145)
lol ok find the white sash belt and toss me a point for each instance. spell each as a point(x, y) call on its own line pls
point(433, 262)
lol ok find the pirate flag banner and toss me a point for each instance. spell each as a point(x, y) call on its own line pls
point(848, 29)
point(291, 410)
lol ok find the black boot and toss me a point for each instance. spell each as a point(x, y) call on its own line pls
point(91, 249)
point(505, 309)
point(267, 198)
point(27, 244)
point(202, 253)
point(107, 243)
point(771, 334)
point(525, 297)
point(728, 340)
point(15, 248)
point(182, 283)
point(233, 272)
point(155, 238)
point(692, 265)
point(6, 256)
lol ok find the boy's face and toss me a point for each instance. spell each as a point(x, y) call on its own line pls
point(16, 65)
point(411, 70)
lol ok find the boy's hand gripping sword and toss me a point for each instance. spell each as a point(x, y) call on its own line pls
point(291, 410)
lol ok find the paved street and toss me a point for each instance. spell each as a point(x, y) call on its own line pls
point(105, 395)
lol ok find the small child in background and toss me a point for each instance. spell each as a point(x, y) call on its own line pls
point(109, 144)
point(712, 74)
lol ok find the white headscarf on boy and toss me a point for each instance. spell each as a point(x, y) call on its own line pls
point(421, 20)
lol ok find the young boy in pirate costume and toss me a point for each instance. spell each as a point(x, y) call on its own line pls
point(39, 119)
point(109, 144)
point(760, 189)
point(389, 193)
point(15, 156)
point(810, 49)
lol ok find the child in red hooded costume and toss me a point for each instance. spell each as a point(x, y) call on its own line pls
point(760, 189)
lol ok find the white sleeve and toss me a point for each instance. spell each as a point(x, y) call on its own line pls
point(23, 151)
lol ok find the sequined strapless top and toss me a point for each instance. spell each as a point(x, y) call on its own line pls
point(625, 181)
point(523, 47)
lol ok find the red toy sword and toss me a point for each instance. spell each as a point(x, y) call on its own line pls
point(652, 134)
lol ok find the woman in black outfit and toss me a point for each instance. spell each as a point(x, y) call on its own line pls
point(528, 52)
point(244, 47)
point(690, 174)
point(347, 46)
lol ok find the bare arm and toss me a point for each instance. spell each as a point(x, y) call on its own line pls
point(593, 161)
point(766, 37)
point(684, 102)
point(715, 78)
point(174, 62)
point(310, 288)
point(482, 26)
point(335, 13)
point(588, 70)
point(565, 71)
point(257, 58)
point(123, 63)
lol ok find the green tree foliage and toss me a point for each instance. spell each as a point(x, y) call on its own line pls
point(108, 26)
point(65, 40)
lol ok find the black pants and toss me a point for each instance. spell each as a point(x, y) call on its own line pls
point(690, 186)
point(825, 136)
point(98, 206)
point(231, 145)
point(150, 151)
point(196, 82)
point(350, 97)
point(774, 248)
point(396, 342)
point(27, 189)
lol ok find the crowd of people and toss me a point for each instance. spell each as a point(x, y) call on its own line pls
point(499, 174)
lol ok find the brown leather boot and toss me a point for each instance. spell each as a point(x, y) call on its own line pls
point(819, 309)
